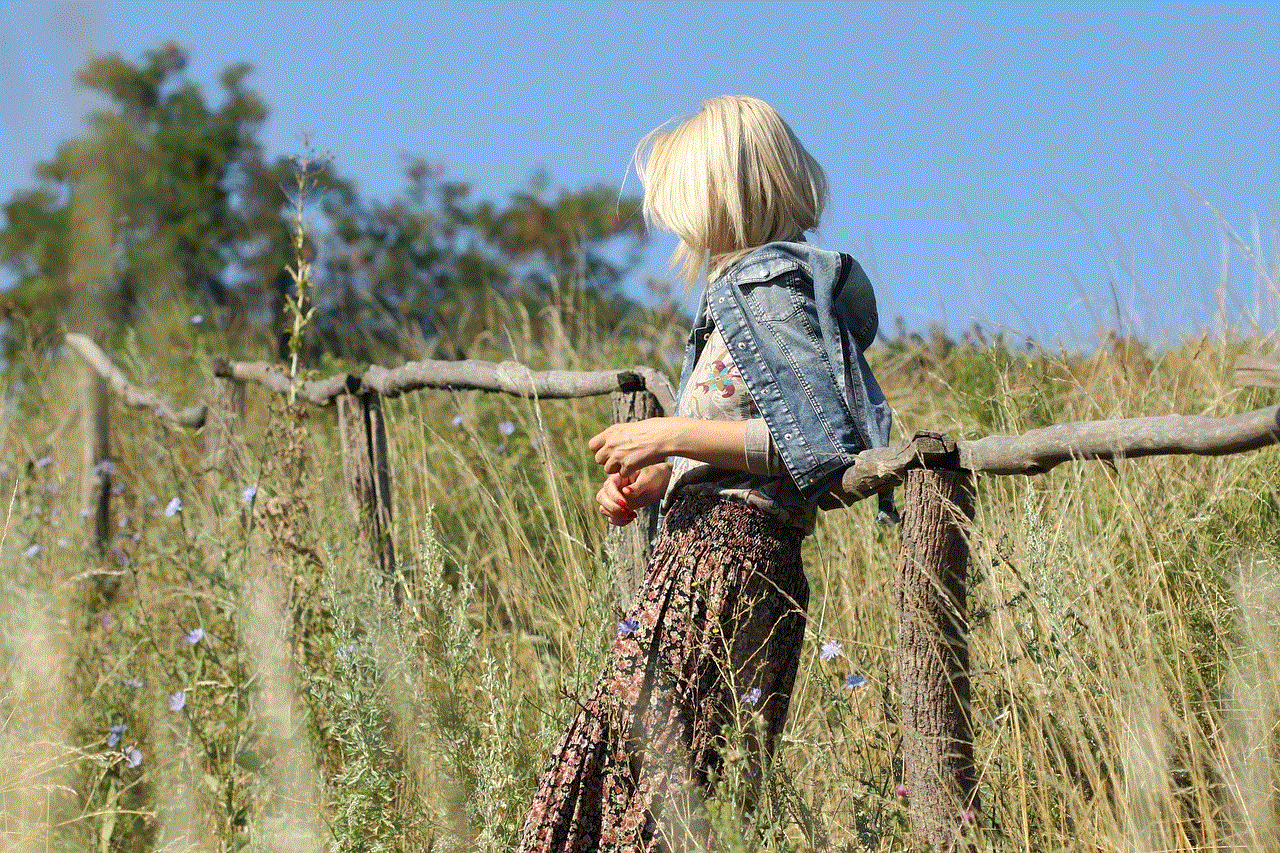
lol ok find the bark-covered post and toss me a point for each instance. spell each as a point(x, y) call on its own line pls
point(224, 449)
point(634, 543)
point(95, 489)
point(368, 476)
point(933, 653)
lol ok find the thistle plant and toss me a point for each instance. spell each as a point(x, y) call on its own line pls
point(306, 169)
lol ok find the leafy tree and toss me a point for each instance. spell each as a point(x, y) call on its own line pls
point(168, 197)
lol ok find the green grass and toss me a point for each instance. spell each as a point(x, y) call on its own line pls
point(1125, 642)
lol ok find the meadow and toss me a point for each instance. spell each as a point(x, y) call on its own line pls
point(231, 674)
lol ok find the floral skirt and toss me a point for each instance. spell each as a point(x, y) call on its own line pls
point(709, 651)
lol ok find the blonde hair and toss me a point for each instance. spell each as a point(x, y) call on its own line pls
point(727, 179)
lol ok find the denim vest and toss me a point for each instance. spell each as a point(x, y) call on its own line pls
point(797, 319)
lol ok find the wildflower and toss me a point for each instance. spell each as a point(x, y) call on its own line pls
point(44, 461)
point(114, 733)
point(197, 319)
point(105, 468)
point(752, 696)
point(62, 543)
point(153, 379)
point(966, 816)
point(177, 700)
point(32, 550)
point(173, 508)
point(500, 449)
point(149, 499)
point(507, 428)
point(900, 792)
point(133, 757)
point(627, 627)
point(831, 650)
point(193, 636)
point(457, 420)
point(854, 681)
point(346, 650)
point(85, 512)
point(117, 489)
point(106, 621)
point(132, 683)
point(124, 521)
point(162, 412)
point(248, 493)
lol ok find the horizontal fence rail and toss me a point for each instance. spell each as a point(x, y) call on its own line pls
point(938, 472)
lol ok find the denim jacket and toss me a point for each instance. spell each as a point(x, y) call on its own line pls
point(797, 319)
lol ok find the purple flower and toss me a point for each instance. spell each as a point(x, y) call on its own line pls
point(32, 550)
point(117, 489)
point(106, 621)
point(173, 508)
point(627, 627)
point(457, 420)
point(507, 428)
point(43, 461)
point(193, 636)
point(346, 650)
point(854, 681)
point(132, 682)
point(900, 792)
point(831, 650)
point(752, 696)
point(133, 757)
point(248, 493)
point(197, 319)
point(177, 700)
point(85, 512)
point(149, 499)
point(105, 468)
point(500, 449)
point(966, 816)
point(114, 733)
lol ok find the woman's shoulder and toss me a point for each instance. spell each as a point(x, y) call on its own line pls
point(784, 257)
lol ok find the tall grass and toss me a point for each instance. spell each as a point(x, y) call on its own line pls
point(231, 674)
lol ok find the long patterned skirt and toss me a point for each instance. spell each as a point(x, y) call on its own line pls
point(711, 646)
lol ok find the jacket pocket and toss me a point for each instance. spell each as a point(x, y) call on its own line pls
point(778, 301)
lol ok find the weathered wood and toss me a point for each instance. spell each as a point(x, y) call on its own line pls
point(224, 447)
point(95, 422)
point(633, 544)
point(137, 398)
point(1257, 371)
point(933, 654)
point(1039, 450)
point(362, 433)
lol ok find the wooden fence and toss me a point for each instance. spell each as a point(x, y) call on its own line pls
point(938, 473)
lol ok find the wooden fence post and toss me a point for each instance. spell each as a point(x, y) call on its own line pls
point(634, 543)
point(224, 449)
point(368, 477)
point(933, 653)
point(95, 489)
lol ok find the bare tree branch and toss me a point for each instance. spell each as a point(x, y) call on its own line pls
point(192, 416)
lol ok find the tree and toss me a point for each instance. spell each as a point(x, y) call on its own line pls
point(155, 201)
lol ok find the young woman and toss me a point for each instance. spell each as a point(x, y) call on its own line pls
point(775, 399)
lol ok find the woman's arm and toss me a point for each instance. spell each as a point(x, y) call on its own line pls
point(627, 448)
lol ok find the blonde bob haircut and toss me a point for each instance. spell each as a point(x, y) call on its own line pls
point(727, 179)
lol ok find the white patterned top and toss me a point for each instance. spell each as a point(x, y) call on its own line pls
point(715, 391)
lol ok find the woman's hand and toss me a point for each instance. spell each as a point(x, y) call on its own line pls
point(627, 448)
point(621, 495)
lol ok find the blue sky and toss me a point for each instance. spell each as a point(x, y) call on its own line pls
point(999, 163)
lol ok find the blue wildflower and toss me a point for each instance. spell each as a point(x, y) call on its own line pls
point(32, 550)
point(507, 428)
point(85, 512)
point(117, 489)
point(133, 683)
point(627, 627)
point(854, 681)
point(831, 650)
point(133, 757)
point(44, 461)
point(177, 700)
point(105, 468)
point(197, 319)
point(173, 508)
point(752, 696)
point(500, 449)
point(193, 636)
point(114, 733)
point(457, 420)
point(248, 493)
